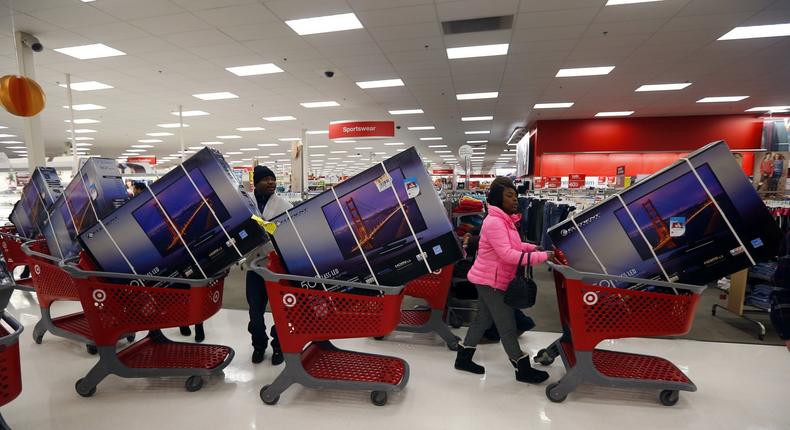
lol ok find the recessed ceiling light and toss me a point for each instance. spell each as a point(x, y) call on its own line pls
point(447, 156)
point(11, 141)
point(212, 142)
point(476, 141)
point(362, 148)
point(317, 131)
point(250, 129)
point(216, 96)
point(324, 24)
point(722, 99)
point(478, 132)
point(333, 158)
point(345, 141)
point(423, 127)
point(249, 149)
point(477, 96)
point(768, 108)
point(254, 69)
point(143, 146)
point(83, 144)
point(161, 134)
point(7, 135)
point(313, 146)
point(86, 106)
point(477, 51)
point(385, 83)
point(437, 146)
point(353, 156)
point(615, 113)
point(405, 111)
point(136, 150)
point(477, 118)
point(277, 153)
point(148, 141)
point(755, 31)
point(430, 138)
point(393, 143)
point(191, 113)
point(663, 87)
point(88, 86)
point(289, 139)
point(443, 151)
point(234, 153)
point(171, 125)
point(229, 136)
point(87, 52)
point(311, 105)
point(338, 152)
point(16, 147)
point(82, 130)
point(81, 138)
point(552, 105)
point(619, 2)
point(279, 118)
point(584, 71)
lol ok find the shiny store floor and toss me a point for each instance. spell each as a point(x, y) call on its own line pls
point(740, 387)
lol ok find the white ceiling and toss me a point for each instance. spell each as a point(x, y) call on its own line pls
point(181, 47)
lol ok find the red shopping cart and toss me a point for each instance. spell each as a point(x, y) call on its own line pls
point(11, 245)
point(308, 316)
point(592, 311)
point(113, 309)
point(434, 289)
point(10, 370)
point(52, 284)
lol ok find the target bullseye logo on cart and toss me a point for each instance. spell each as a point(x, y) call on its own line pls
point(590, 298)
point(37, 269)
point(215, 297)
point(289, 300)
point(99, 296)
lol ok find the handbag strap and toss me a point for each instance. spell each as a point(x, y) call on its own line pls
point(529, 264)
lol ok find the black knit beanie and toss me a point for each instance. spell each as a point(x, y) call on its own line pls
point(261, 172)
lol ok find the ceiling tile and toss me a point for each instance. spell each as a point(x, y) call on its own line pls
point(237, 15)
point(169, 24)
point(191, 39)
point(126, 10)
point(398, 16)
point(469, 9)
point(297, 9)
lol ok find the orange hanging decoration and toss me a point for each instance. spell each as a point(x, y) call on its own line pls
point(21, 96)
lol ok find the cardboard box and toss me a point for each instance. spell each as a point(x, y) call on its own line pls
point(667, 226)
point(334, 233)
point(94, 193)
point(173, 232)
point(38, 196)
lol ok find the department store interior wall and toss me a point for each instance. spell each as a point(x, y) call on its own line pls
point(629, 138)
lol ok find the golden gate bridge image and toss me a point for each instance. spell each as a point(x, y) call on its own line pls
point(665, 240)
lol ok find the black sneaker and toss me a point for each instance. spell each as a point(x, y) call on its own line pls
point(200, 335)
point(257, 355)
point(277, 357)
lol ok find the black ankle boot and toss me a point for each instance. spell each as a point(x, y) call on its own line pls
point(525, 372)
point(277, 355)
point(463, 361)
point(200, 335)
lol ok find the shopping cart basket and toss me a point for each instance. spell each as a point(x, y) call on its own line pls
point(309, 316)
point(11, 245)
point(433, 288)
point(591, 311)
point(113, 309)
point(10, 371)
point(52, 284)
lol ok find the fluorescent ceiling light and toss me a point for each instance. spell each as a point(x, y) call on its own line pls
point(768, 108)
point(87, 52)
point(142, 146)
point(317, 131)
point(477, 118)
point(279, 118)
point(160, 134)
point(437, 146)
point(191, 113)
point(755, 31)
point(83, 130)
point(584, 71)
point(552, 105)
point(171, 125)
point(338, 152)
point(442, 151)
point(430, 138)
point(229, 136)
point(447, 156)
point(16, 147)
point(380, 84)
point(83, 144)
point(312, 146)
point(216, 96)
point(477, 51)
point(615, 113)
point(311, 105)
point(254, 69)
point(289, 139)
point(477, 96)
point(249, 149)
point(476, 141)
point(212, 142)
point(136, 150)
point(147, 141)
point(234, 153)
point(277, 153)
point(393, 143)
point(11, 141)
point(345, 141)
point(361, 148)
point(86, 106)
point(250, 129)
point(82, 138)
point(663, 87)
point(88, 86)
point(722, 99)
point(7, 135)
point(353, 156)
point(324, 24)
point(478, 132)
point(405, 111)
point(423, 127)
point(619, 2)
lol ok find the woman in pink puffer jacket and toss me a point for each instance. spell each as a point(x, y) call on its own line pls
point(495, 266)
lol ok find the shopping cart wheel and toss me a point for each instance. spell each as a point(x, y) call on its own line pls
point(379, 398)
point(669, 397)
point(543, 357)
point(130, 338)
point(194, 383)
point(38, 337)
point(92, 350)
point(379, 337)
point(554, 397)
point(266, 399)
point(82, 391)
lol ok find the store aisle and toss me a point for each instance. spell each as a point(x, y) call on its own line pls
point(740, 386)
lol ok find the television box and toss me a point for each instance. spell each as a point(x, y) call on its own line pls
point(174, 232)
point(38, 196)
point(667, 227)
point(329, 237)
point(95, 191)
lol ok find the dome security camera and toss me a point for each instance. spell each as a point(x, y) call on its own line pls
point(329, 74)
point(32, 42)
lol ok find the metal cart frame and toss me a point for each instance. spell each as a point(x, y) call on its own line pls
point(11, 244)
point(10, 369)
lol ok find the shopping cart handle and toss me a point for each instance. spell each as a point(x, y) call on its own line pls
point(590, 278)
point(261, 269)
point(15, 325)
point(69, 267)
point(30, 253)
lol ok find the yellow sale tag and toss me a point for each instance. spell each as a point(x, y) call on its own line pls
point(270, 227)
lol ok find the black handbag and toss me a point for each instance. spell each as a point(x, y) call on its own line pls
point(522, 290)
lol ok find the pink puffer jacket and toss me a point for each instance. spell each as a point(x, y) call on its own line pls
point(499, 251)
